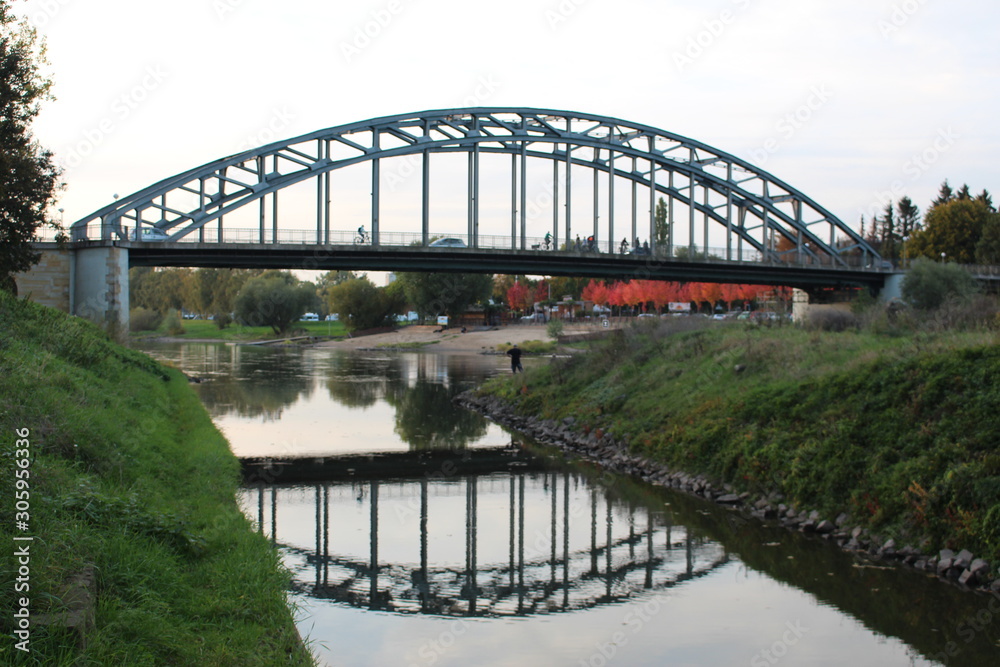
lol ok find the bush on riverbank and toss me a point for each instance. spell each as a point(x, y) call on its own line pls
point(129, 475)
point(899, 431)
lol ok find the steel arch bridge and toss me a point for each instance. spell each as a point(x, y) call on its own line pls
point(764, 219)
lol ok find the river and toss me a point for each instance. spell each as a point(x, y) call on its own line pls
point(420, 534)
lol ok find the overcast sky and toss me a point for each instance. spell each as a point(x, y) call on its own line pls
point(848, 101)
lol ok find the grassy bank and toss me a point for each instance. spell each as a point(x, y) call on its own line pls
point(128, 475)
point(898, 431)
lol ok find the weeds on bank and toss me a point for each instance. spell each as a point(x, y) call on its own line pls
point(894, 421)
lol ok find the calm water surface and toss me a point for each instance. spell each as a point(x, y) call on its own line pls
point(418, 533)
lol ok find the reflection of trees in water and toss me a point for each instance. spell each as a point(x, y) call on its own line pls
point(360, 381)
point(427, 419)
point(261, 383)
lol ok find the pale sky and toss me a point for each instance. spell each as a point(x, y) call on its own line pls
point(847, 101)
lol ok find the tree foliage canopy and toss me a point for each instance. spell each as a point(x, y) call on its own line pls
point(445, 293)
point(275, 299)
point(929, 284)
point(30, 177)
point(953, 228)
point(362, 305)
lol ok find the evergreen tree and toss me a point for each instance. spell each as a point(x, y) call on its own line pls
point(986, 198)
point(660, 226)
point(30, 177)
point(887, 232)
point(945, 195)
point(909, 216)
point(963, 193)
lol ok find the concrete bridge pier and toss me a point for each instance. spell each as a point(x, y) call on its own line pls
point(89, 282)
point(100, 286)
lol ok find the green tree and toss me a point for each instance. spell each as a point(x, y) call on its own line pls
point(909, 216)
point(30, 178)
point(929, 284)
point(276, 299)
point(887, 232)
point(445, 293)
point(988, 248)
point(945, 195)
point(362, 305)
point(954, 229)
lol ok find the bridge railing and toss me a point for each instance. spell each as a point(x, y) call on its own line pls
point(391, 239)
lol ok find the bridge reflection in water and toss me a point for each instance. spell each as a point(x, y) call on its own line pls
point(534, 542)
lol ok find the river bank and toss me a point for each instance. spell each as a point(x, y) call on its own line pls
point(137, 552)
point(884, 445)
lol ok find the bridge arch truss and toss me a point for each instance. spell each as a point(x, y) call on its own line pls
point(761, 215)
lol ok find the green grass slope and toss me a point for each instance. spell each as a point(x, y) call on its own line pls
point(128, 474)
point(901, 432)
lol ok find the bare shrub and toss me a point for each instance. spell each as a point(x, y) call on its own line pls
point(143, 319)
point(831, 320)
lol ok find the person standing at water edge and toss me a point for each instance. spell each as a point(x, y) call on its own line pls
point(515, 359)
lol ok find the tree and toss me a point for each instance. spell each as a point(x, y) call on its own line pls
point(909, 216)
point(988, 248)
point(518, 296)
point(362, 305)
point(945, 195)
point(30, 177)
point(953, 229)
point(986, 198)
point(887, 232)
point(275, 299)
point(445, 293)
point(929, 284)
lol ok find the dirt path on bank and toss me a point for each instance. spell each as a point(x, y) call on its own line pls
point(475, 340)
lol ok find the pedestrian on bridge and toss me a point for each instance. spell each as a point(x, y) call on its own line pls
point(624, 247)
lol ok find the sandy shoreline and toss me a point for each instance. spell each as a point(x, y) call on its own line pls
point(451, 340)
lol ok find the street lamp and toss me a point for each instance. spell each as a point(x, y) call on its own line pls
point(905, 239)
point(942, 258)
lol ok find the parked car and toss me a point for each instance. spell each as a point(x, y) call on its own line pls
point(448, 242)
point(149, 234)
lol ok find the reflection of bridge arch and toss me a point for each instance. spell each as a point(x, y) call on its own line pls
point(593, 551)
point(755, 209)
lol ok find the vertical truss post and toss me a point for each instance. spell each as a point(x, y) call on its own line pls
point(326, 198)
point(569, 197)
point(425, 199)
point(376, 188)
point(691, 199)
point(475, 197)
point(743, 224)
point(470, 187)
point(262, 237)
point(670, 214)
point(201, 202)
point(274, 207)
point(611, 202)
point(597, 208)
point(555, 201)
point(319, 195)
point(635, 203)
point(524, 193)
point(729, 212)
point(513, 201)
point(704, 217)
point(652, 201)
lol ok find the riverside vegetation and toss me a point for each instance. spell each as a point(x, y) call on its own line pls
point(896, 428)
point(130, 483)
